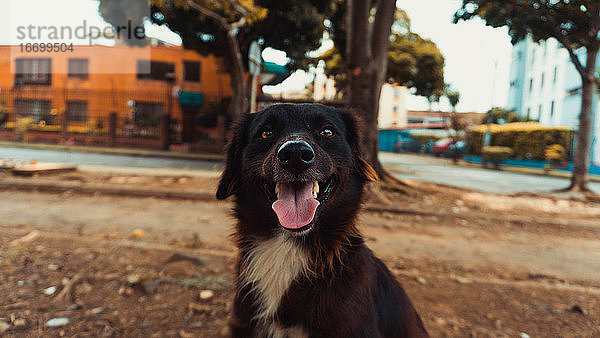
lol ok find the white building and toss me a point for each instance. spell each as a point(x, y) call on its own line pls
point(392, 101)
point(392, 106)
point(324, 87)
point(545, 86)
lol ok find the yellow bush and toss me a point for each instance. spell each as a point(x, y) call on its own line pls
point(526, 139)
point(71, 129)
point(46, 127)
point(23, 124)
point(496, 154)
point(555, 153)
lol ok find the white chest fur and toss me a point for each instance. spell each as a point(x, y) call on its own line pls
point(271, 266)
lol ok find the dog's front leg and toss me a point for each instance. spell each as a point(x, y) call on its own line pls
point(241, 323)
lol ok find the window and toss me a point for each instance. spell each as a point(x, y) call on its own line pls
point(77, 111)
point(33, 72)
point(78, 68)
point(539, 112)
point(551, 109)
point(37, 109)
point(191, 71)
point(555, 74)
point(530, 85)
point(545, 46)
point(533, 56)
point(155, 70)
point(542, 82)
point(517, 55)
point(528, 114)
point(148, 114)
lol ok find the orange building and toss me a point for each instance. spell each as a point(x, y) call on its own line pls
point(139, 84)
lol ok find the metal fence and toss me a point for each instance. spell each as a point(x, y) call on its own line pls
point(151, 119)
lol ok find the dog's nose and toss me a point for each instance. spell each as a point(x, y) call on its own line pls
point(296, 155)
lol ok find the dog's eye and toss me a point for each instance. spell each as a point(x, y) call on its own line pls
point(328, 132)
point(267, 133)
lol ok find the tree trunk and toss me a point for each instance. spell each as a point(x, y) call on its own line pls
point(368, 44)
point(239, 99)
point(581, 162)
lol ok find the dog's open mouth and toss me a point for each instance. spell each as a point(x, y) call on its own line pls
point(296, 203)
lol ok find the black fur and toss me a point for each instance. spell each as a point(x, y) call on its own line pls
point(349, 292)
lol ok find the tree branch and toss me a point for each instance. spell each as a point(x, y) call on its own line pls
point(574, 58)
point(349, 33)
point(227, 26)
point(557, 34)
point(243, 11)
point(359, 45)
point(384, 18)
point(596, 22)
point(238, 7)
point(213, 15)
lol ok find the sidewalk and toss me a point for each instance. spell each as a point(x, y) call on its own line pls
point(183, 184)
point(219, 157)
point(472, 162)
point(117, 151)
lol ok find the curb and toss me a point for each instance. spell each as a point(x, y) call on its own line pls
point(514, 169)
point(117, 151)
point(49, 186)
point(528, 171)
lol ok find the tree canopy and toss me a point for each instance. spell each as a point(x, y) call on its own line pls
point(294, 26)
point(500, 115)
point(413, 61)
point(452, 95)
point(416, 63)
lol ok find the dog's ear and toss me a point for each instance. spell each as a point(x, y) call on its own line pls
point(368, 172)
point(230, 179)
point(364, 169)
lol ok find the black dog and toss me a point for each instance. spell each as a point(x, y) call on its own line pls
point(303, 268)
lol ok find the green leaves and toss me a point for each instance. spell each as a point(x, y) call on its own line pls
point(416, 63)
point(571, 22)
point(412, 61)
point(294, 26)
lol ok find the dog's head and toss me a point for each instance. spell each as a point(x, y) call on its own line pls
point(296, 167)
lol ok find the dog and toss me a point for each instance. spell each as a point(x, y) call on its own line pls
point(303, 269)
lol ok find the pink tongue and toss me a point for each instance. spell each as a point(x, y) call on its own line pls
point(296, 206)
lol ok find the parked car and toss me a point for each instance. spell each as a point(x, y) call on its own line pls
point(440, 146)
point(404, 143)
point(459, 147)
point(407, 146)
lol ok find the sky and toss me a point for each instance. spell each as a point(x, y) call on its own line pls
point(477, 57)
point(471, 50)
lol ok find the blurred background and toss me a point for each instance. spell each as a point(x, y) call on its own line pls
point(114, 116)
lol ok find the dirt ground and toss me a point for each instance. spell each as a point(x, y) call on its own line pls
point(474, 264)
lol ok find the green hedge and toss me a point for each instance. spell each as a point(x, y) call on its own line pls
point(528, 140)
point(496, 154)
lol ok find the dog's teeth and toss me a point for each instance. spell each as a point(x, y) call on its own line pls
point(277, 190)
point(315, 189)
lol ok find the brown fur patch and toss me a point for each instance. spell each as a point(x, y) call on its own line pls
point(368, 171)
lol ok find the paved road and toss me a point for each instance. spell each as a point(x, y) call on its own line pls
point(23, 154)
point(407, 166)
point(442, 171)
